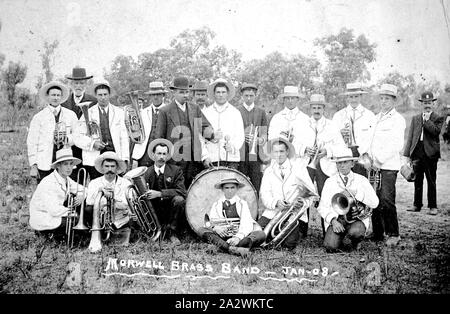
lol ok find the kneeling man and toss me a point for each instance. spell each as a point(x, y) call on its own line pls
point(338, 224)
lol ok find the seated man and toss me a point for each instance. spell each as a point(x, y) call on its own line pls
point(48, 206)
point(229, 224)
point(336, 225)
point(113, 186)
point(167, 191)
point(283, 182)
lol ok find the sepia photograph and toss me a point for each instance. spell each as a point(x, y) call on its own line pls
point(225, 152)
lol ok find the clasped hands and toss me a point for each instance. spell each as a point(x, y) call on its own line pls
point(151, 194)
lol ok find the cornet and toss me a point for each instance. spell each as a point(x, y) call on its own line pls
point(373, 173)
point(254, 140)
point(348, 135)
point(133, 119)
point(92, 127)
point(288, 134)
point(60, 135)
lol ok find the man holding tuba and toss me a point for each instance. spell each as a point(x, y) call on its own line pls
point(384, 152)
point(283, 182)
point(109, 120)
point(49, 204)
point(50, 129)
point(348, 215)
point(320, 139)
point(113, 188)
point(356, 123)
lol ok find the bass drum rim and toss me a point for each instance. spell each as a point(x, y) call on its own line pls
point(253, 207)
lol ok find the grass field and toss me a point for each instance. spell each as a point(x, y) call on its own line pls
point(420, 264)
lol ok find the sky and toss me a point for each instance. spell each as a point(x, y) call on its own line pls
point(412, 36)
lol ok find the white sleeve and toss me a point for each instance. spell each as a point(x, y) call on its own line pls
point(324, 209)
point(246, 221)
point(33, 140)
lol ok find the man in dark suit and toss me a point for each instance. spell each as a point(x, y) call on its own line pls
point(184, 124)
point(78, 84)
point(167, 191)
point(253, 117)
point(422, 147)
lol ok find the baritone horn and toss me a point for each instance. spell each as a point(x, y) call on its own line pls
point(140, 205)
point(349, 207)
point(133, 119)
point(103, 219)
point(232, 224)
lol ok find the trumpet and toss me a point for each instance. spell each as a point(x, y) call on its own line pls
point(92, 127)
point(255, 139)
point(314, 160)
point(60, 135)
point(232, 224)
point(133, 119)
point(103, 219)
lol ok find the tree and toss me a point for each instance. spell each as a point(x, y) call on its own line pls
point(347, 60)
point(406, 86)
point(14, 74)
point(47, 59)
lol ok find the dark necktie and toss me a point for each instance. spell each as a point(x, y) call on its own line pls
point(161, 180)
point(345, 180)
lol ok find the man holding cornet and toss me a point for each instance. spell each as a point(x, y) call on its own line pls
point(384, 155)
point(346, 203)
point(50, 129)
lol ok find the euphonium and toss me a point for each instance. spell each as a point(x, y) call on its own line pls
point(232, 224)
point(255, 139)
point(133, 119)
point(92, 127)
point(140, 205)
point(102, 219)
point(349, 207)
point(60, 134)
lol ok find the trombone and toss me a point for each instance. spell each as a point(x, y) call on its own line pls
point(70, 222)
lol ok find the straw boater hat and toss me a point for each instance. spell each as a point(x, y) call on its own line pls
point(317, 99)
point(63, 155)
point(248, 86)
point(343, 155)
point(290, 91)
point(200, 86)
point(231, 89)
point(427, 96)
point(284, 140)
point(156, 87)
point(121, 165)
point(44, 89)
point(354, 89)
point(78, 74)
point(229, 180)
point(101, 82)
point(157, 141)
point(180, 83)
point(388, 89)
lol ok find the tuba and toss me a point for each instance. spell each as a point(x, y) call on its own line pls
point(92, 127)
point(284, 222)
point(140, 206)
point(103, 219)
point(60, 135)
point(231, 223)
point(349, 207)
point(133, 119)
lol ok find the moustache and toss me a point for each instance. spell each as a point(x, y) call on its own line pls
point(110, 172)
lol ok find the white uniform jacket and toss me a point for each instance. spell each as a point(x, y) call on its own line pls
point(227, 119)
point(364, 193)
point(119, 185)
point(274, 188)
point(147, 117)
point(388, 139)
point(46, 205)
point(286, 120)
point(363, 124)
point(246, 224)
point(328, 137)
point(117, 128)
point(40, 135)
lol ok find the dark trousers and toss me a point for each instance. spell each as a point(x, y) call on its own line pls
point(355, 231)
point(384, 217)
point(425, 166)
point(319, 177)
point(43, 174)
point(252, 169)
point(292, 240)
point(254, 239)
point(190, 170)
point(170, 212)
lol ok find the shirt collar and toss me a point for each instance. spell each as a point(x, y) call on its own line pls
point(181, 106)
point(106, 108)
point(285, 165)
point(222, 108)
point(359, 108)
point(57, 108)
point(350, 177)
point(233, 200)
point(249, 108)
point(158, 170)
point(288, 111)
point(107, 183)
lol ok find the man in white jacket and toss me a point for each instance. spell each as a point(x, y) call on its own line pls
point(49, 203)
point(385, 150)
point(110, 120)
point(283, 182)
point(339, 223)
point(41, 134)
point(358, 118)
point(226, 121)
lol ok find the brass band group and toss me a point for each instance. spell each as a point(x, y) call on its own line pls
point(239, 180)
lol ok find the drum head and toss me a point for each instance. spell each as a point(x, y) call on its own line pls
point(202, 194)
point(135, 172)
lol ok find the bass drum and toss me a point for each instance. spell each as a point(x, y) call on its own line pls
point(202, 194)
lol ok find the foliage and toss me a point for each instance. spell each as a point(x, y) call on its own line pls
point(14, 74)
point(406, 88)
point(47, 59)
